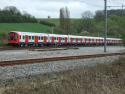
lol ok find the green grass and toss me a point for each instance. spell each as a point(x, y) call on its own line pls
point(55, 21)
point(25, 27)
point(28, 27)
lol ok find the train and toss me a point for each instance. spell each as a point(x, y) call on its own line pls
point(22, 39)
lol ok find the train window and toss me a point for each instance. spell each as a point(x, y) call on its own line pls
point(23, 37)
point(29, 37)
point(15, 37)
point(41, 38)
point(33, 37)
point(58, 38)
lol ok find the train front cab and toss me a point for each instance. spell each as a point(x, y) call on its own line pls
point(13, 39)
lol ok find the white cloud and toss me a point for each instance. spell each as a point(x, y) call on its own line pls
point(43, 8)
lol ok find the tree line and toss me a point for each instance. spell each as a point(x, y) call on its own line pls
point(11, 14)
point(91, 24)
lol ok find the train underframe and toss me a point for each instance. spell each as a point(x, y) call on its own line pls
point(61, 44)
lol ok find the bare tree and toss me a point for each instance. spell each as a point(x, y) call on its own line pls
point(99, 16)
point(87, 15)
point(65, 20)
point(87, 23)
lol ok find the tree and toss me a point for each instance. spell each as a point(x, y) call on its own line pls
point(99, 16)
point(11, 14)
point(86, 22)
point(12, 10)
point(65, 20)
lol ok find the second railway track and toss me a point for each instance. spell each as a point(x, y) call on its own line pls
point(43, 60)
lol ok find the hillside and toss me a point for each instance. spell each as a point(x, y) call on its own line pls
point(25, 27)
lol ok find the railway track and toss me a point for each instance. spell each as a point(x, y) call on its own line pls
point(24, 48)
point(43, 60)
point(32, 48)
point(3, 48)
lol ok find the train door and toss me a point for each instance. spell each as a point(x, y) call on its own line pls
point(76, 40)
point(36, 39)
point(89, 41)
point(81, 41)
point(85, 41)
point(26, 40)
point(66, 40)
point(93, 42)
point(96, 41)
point(71, 39)
point(59, 40)
point(44, 39)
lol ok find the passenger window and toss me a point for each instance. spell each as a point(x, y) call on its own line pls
point(33, 37)
point(41, 38)
point(29, 37)
point(23, 37)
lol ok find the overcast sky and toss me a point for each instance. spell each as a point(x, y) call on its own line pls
point(43, 8)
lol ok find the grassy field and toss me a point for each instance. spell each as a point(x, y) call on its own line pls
point(26, 27)
point(56, 21)
point(99, 79)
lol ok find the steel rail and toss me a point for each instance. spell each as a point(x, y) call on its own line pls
point(43, 60)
